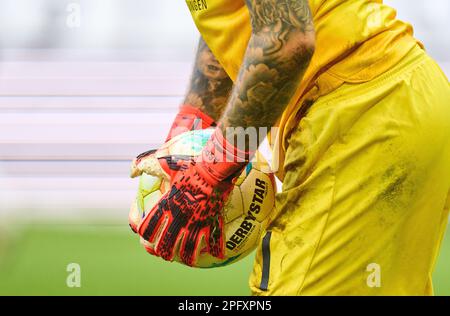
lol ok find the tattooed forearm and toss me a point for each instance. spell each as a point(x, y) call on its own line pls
point(210, 86)
point(267, 13)
point(278, 53)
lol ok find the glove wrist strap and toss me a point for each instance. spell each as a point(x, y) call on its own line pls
point(221, 160)
point(189, 118)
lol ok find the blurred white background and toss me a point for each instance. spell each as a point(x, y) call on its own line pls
point(85, 85)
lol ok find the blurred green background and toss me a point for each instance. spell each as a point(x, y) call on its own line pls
point(112, 263)
point(33, 261)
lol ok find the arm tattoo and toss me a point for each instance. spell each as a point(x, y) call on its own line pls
point(278, 53)
point(266, 13)
point(210, 86)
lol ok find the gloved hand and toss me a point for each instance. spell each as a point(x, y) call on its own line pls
point(190, 211)
point(189, 118)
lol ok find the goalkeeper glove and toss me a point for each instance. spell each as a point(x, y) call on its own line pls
point(189, 118)
point(190, 211)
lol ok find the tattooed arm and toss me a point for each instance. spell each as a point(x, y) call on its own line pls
point(279, 51)
point(210, 86)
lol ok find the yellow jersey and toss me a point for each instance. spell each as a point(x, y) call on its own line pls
point(356, 41)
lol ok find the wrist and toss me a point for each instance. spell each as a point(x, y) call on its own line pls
point(221, 160)
point(189, 118)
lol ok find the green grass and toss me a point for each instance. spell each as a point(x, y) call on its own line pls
point(113, 263)
point(441, 276)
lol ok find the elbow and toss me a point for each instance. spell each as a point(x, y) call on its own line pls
point(309, 44)
point(303, 47)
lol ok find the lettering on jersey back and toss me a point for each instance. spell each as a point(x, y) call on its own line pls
point(197, 5)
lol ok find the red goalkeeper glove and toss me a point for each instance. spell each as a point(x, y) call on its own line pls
point(190, 211)
point(189, 118)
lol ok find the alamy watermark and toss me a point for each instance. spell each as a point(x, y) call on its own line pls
point(73, 279)
point(374, 278)
point(240, 141)
point(73, 19)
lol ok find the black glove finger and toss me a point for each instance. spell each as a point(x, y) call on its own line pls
point(191, 243)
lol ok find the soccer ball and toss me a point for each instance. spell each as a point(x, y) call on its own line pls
point(245, 213)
